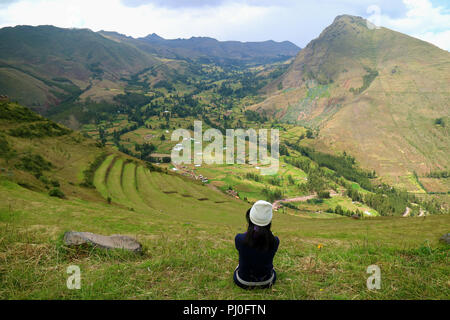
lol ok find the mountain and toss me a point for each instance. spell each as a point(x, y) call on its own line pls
point(209, 50)
point(226, 52)
point(378, 94)
point(41, 66)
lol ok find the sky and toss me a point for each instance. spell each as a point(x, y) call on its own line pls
point(298, 21)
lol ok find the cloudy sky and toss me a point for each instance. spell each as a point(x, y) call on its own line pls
point(298, 21)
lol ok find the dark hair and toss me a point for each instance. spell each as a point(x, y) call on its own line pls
point(259, 237)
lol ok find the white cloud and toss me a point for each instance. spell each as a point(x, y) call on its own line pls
point(422, 20)
point(248, 20)
point(440, 39)
point(112, 15)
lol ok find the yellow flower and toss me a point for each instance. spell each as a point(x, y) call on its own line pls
point(320, 246)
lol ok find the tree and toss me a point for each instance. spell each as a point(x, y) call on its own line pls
point(145, 149)
point(102, 135)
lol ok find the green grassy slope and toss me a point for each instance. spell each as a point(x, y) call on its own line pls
point(189, 254)
point(135, 187)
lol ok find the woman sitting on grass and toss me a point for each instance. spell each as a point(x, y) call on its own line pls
point(257, 247)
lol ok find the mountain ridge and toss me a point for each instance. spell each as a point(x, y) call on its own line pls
point(44, 66)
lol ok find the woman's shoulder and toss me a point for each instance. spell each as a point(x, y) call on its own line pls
point(240, 236)
point(239, 240)
point(277, 241)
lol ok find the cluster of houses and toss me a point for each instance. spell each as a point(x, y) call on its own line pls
point(192, 174)
point(233, 193)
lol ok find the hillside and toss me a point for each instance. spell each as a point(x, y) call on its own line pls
point(43, 66)
point(377, 94)
point(54, 180)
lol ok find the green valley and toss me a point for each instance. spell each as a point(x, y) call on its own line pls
point(88, 122)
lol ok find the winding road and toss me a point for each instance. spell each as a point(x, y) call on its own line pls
point(277, 204)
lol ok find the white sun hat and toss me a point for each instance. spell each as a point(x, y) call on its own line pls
point(261, 213)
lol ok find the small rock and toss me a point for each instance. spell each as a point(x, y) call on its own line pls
point(446, 238)
point(115, 241)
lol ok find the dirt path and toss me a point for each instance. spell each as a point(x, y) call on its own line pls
point(277, 204)
point(407, 212)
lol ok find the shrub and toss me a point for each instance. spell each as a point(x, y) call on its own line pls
point(314, 201)
point(34, 163)
point(153, 168)
point(39, 130)
point(291, 180)
point(272, 194)
point(44, 179)
point(275, 181)
point(56, 192)
point(6, 151)
point(55, 183)
point(289, 205)
point(253, 176)
point(324, 194)
point(88, 180)
point(17, 113)
point(367, 80)
point(4, 146)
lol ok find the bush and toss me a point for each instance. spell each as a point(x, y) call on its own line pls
point(253, 176)
point(367, 80)
point(56, 192)
point(55, 183)
point(314, 201)
point(291, 180)
point(439, 174)
point(35, 164)
point(4, 146)
point(275, 181)
point(17, 113)
point(251, 115)
point(39, 130)
point(272, 194)
point(6, 151)
point(324, 194)
point(44, 179)
point(88, 180)
point(289, 205)
point(153, 168)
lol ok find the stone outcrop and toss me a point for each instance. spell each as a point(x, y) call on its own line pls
point(105, 242)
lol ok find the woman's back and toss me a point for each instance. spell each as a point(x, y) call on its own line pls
point(255, 264)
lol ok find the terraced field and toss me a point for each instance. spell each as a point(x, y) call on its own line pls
point(135, 187)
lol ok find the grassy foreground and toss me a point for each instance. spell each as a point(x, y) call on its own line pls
point(189, 253)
